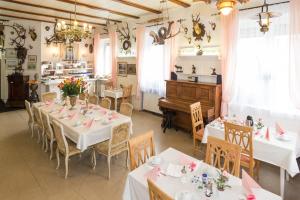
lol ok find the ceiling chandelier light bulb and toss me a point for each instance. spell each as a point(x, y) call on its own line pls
point(226, 6)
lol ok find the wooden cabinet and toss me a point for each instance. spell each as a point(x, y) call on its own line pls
point(18, 90)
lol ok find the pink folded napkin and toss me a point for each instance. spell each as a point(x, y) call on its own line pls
point(113, 116)
point(153, 174)
point(279, 130)
point(61, 110)
point(89, 123)
point(72, 116)
point(184, 160)
point(267, 136)
point(248, 183)
point(103, 112)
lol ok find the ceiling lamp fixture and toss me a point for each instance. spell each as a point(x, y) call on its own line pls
point(224, 6)
point(72, 32)
point(264, 17)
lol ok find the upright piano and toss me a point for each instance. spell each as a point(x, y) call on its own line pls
point(181, 94)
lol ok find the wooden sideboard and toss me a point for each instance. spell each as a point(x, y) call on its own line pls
point(181, 94)
point(18, 90)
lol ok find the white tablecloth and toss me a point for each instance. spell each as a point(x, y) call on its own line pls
point(82, 135)
point(118, 93)
point(279, 153)
point(136, 187)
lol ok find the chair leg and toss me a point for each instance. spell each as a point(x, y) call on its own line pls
point(57, 157)
point(51, 149)
point(46, 144)
point(257, 169)
point(127, 156)
point(94, 159)
point(66, 166)
point(108, 165)
point(38, 131)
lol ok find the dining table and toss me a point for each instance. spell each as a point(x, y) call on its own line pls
point(84, 124)
point(273, 149)
point(115, 94)
point(185, 185)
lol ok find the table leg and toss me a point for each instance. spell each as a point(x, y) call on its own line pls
point(282, 180)
point(287, 176)
point(116, 102)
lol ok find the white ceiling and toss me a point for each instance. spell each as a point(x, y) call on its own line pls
point(108, 4)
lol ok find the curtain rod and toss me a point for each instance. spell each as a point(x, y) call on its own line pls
point(255, 7)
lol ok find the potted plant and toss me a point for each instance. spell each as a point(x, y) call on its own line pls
point(72, 87)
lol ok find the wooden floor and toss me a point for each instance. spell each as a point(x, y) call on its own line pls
point(27, 173)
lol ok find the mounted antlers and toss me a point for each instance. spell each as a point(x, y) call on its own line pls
point(124, 32)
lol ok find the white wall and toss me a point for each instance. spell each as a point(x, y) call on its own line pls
point(36, 50)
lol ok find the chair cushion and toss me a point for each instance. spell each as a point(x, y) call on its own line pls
point(245, 160)
point(102, 148)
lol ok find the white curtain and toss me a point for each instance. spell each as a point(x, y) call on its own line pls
point(262, 73)
point(155, 66)
point(295, 52)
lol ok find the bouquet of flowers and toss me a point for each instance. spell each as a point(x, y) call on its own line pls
point(72, 86)
point(222, 180)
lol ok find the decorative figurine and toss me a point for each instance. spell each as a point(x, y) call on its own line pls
point(194, 69)
point(213, 71)
point(178, 68)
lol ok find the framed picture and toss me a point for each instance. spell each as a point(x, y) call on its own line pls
point(11, 63)
point(31, 66)
point(122, 68)
point(10, 53)
point(131, 69)
point(69, 53)
point(32, 58)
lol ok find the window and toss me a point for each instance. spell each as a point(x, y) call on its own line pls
point(261, 85)
point(105, 57)
point(155, 67)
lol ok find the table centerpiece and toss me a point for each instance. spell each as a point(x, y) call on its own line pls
point(72, 87)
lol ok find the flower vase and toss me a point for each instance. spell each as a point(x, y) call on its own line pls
point(73, 99)
point(220, 186)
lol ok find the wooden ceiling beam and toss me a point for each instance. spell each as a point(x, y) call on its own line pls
point(138, 6)
point(51, 16)
point(29, 18)
point(26, 18)
point(100, 8)
point(181, 3)
point(59, 10)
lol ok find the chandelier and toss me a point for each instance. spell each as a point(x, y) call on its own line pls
point(69, 33)
point(225, 6)
point(264, 17)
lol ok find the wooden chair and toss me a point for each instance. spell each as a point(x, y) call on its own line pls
point(30, 117)
point(49, 96)
point(141, 148)
point(105, 103)
point(83, 96)
point(118, 143)
point(48, 133)
point(126, 109)
point(38, 123)
point(63, 146)
point(127, 90)
point(242, 135)
point(94, 99)
point(109, 85)
point(223, 155)
point(155, 193)
point(197, 125)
